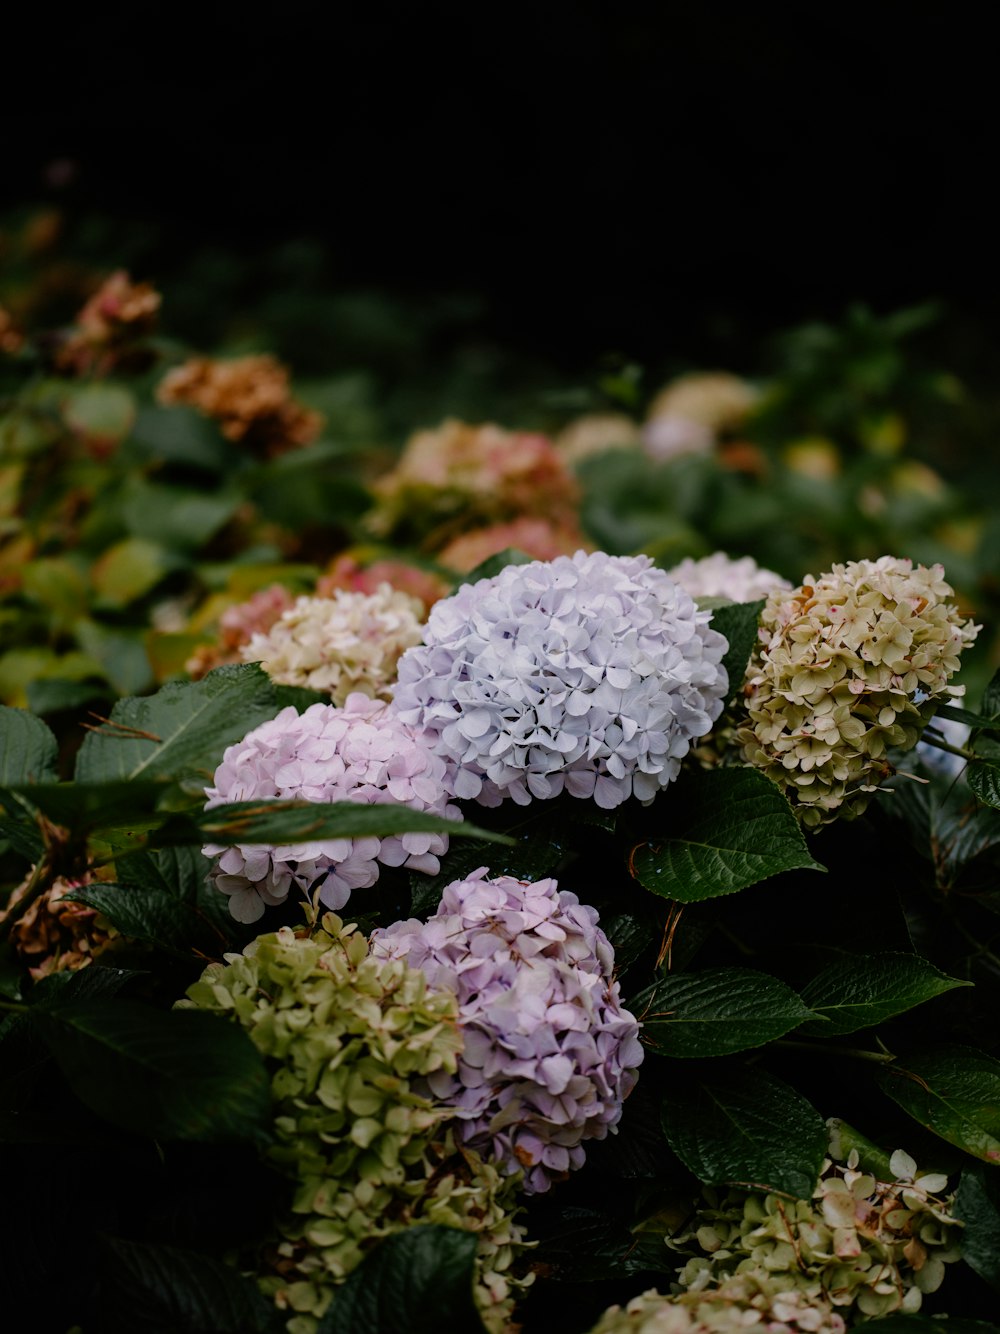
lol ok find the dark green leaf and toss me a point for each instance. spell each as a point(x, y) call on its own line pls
point(249, 822)
point(154, 916)
point(416, 1282)
point(977, 1205)
point(974, 720)
point(984, 779)
point(180, 732)
point(56, 694)
point(176, 1074)
point(990, 704)
point(98, 982)
point(844, 1138)
point(738, 622)
point(85, 807)
point(716, 1012)
point(182, 435)
point(862, 990)
point(745, 1127)
point(121, 654)
point(738, 829)
point(953, 1091)
point(164, 1290)
point(174, 516)
point(27, 749)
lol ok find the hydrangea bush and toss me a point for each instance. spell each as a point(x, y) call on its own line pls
point(431, 1101)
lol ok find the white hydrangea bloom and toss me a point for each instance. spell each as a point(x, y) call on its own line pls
point(717, 576)
point(589, 673)
point(361, 752)
point(343, 643)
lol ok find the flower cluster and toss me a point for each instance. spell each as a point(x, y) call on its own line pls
point(109, 326)
point(549, 1055)
point(348, 572)
point(249, 397)
point(361, 752)
point(237, 626)
point(746, 1302)
point(590, 673)
point(689, 415)
point(875, 1246)
point(846, 666)
point(718, 576)
point(55, 934)
point(462, 476)
point(348, 1039)
point(345, 643)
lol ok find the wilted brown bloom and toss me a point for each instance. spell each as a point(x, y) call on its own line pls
point(56, 935)
point(11, 338)
point(116, 317)
point(250, 399)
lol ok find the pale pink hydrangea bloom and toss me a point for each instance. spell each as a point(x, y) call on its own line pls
point(591, 674)
point(341, 644)
point(549, 1054)
point(361, 752)
point(535, 537)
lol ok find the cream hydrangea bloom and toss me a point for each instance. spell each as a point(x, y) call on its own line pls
point(747, 1302)
point(847, 666)
point(346, 643)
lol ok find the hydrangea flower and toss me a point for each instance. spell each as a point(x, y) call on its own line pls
point(717, 576)
point(348, 1039)
point(591, 673)
point(361, 752)
point(746, 1302)
point(535, 537)
point(343, 643)
point(549, 1055)
point(689, 415)
point(237, 626)
point(846, 666)
point(874, 1246)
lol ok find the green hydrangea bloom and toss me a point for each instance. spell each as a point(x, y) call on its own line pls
point(847, 666)
point(346, 1037)
point(874, 1246)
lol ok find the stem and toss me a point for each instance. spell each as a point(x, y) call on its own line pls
point(41, 879)
point(857, 1053)
point(941, 744)
point(15, 1007)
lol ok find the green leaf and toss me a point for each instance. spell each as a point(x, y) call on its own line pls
point(128, 569)
point(249, 822)
point(984, 778)
point(87, 807)
point(175, 1074)
point(953, 1091)
point(974, 720)
point(745, 1127)
point(717, 1012)
point(738, 829)
point(738, 622)
point(416, 1282)
point(165, 1290)
point(100, 411)
point(183, 435)
point(121, 654)
point(862, 990)
point(153, 916)
point(176, 517)
point(27, 748)
point(181, 731)
point(977, 1205)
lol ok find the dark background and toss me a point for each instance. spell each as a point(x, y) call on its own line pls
point(653, 179)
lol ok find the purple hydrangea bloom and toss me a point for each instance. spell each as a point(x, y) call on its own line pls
point(549, 1054)
point(361, 752)
point(592, 673)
